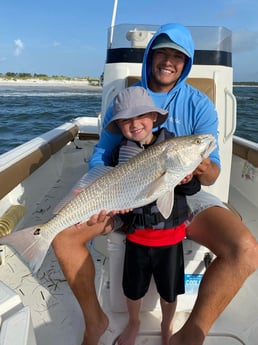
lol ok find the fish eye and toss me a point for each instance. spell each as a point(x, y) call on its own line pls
point(198, 141)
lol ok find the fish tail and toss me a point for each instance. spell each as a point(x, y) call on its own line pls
point(30, 245)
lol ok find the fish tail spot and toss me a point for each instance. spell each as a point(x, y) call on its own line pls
point(37, 232)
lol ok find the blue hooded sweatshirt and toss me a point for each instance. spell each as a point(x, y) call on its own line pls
point(190, 111)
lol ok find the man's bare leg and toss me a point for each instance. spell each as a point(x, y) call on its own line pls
point(78, 268)
point(236, 253)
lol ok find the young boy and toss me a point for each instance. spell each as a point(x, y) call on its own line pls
point(153, 243)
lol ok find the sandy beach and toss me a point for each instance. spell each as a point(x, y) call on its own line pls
point(55, 83)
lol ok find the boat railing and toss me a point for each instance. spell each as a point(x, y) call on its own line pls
point(19, 163)
point(244, 172)
point(247, 150)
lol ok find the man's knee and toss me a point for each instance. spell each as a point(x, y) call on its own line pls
point(248, 254)
point(222, 231)
point(62, 240)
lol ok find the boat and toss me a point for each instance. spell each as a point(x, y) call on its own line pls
point(41, 309)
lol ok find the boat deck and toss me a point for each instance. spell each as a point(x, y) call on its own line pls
point(56, 316)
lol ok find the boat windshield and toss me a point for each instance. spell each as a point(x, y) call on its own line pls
point(215, 38)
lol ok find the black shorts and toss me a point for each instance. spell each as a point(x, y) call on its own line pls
point(165, 263)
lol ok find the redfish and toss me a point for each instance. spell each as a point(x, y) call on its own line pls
point(145, 177)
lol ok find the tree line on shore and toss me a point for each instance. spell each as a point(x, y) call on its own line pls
point(24, 76)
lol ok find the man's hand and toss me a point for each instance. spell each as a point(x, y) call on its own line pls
point(102, 220)
point(98, 218)
point(106, 219)
point(207, 172)
point(202, 167)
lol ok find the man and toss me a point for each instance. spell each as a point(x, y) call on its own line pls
point(167, 62)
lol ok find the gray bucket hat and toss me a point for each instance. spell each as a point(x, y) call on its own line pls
point(131, 102)
point(163, 41)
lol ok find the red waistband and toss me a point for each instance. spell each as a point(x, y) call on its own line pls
point(158, 237)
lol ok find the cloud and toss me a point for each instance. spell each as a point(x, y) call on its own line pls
point(244, 41)
point(19, 46)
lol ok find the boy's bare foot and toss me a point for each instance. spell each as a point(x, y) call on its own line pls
point(166, 333)
point(129, 334)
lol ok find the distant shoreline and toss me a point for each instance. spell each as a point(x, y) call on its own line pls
point(51, 82)
point(245, 85)
point(80, 83)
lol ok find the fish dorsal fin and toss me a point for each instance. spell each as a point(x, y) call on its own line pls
point(165, 203)
point(127, 152)
point(83, 182)
point(95, 173)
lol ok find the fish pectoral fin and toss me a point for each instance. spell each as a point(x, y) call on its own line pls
point(161, 190)
point(164, 183)
point(154, 190)
point(165, 203)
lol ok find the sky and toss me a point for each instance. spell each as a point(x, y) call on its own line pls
point(66, 38)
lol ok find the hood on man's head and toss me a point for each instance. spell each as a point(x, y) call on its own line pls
point(131, 102)
point(179, 35)
point(163, 41)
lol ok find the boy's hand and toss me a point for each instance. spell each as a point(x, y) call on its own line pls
point(186, 179)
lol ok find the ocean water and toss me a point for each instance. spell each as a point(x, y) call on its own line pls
point(247, 112)
point(27, 112)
